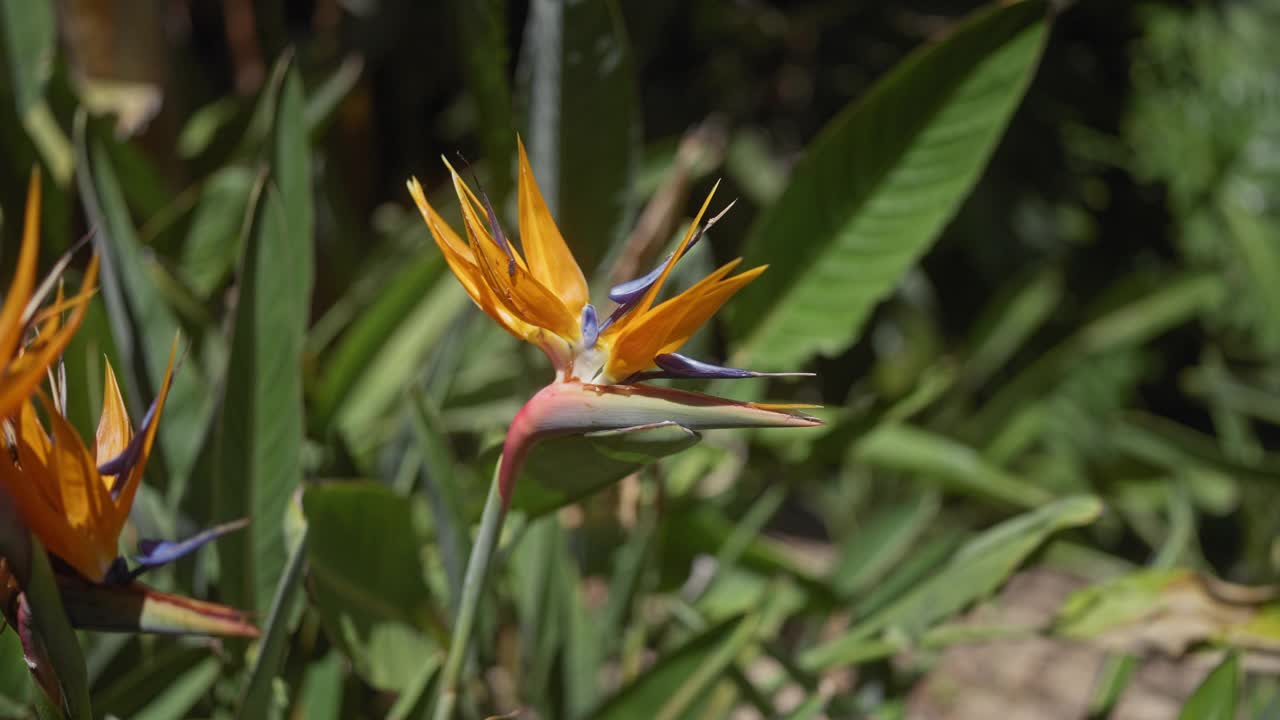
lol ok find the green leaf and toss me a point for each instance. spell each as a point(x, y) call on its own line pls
point(977, 569)
point(321, 694)
point(29, 565)
point(953, 465)
point(30, 36)
point(1008, 322)
point(1171, 302)
point(15, 680)
point(367, 581)
point(483, 29)
point(879, 544)
point(560, 471)
point(261, 428)
point(393, 360)
point(583, 119)
point(667, 690)
point(29, 31)
point(211, 248)
point(879, 184)
point(358, 350)
point(183, 693)
point(258, 702)
point(1215, 699)
point(142, 323)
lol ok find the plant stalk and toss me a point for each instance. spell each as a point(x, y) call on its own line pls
point(491, 521)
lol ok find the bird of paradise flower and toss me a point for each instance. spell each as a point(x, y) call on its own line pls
point(541, 296)
point(76, 501)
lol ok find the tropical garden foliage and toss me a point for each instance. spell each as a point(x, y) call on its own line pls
point(996, 428)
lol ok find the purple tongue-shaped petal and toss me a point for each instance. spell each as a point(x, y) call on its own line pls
point(677, 366)
point(590, 326)
point(627, 294)
point(631, 290)
point(121, 464)
point(153, 553)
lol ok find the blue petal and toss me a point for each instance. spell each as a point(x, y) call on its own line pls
point(121, 464)
point(153, 553)
point(628, 293)
point(677, 366)
point(590, 326)
point(631, 290)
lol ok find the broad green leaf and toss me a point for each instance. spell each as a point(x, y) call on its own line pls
point(1009, 321)
point(29, 31)
point(924, 560)
point(876, 546)
point(328, 94)
point(1215, 699)
point(321, 695)
point(259, 700)
point(667, 690)
point(953, 465)
point(128, 692)
point(183, 692)
point(563, 470)
point(369, 335)
point(976, 570)
point(211, 247)
point(15, 680)
point(441, 484)
point(1173, 301)
point(30, 35)
point(261, 428)
point(878, 185)
point(483, 32)
point(395, 362)
point(367, 580)
point(543, 605)
point(142, 323)
point(583, 119)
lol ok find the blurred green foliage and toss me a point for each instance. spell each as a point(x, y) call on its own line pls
point(1031, 253)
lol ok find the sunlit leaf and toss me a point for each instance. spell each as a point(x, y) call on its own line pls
point(367, 581)
point(879, 184)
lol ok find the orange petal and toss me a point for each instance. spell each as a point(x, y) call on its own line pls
point(23, 375)
point(86, 501)
point(527, 299)
point(667, 326)
point(114, 430)
point(513, 285)
point(23, 281)
point(34, 450)
point(699, 308)
point(130, 488)
point(47, 522)
point(461, 261)
point(647, 301)
point(549, 257)
point(473, 210)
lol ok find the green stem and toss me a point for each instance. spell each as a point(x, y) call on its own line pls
point(495, 513)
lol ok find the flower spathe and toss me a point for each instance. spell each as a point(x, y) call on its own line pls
point(538, 293)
